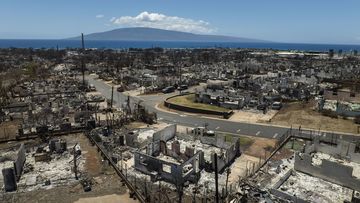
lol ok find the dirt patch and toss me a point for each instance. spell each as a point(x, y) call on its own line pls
point(93, 160)
point(241, 167)
point(93, 163)
point(260, 146)
point(9, 129)
point(136, 124)
point(134, 93)
point(103, 186)
point(252, 116)
point(283, 153)
point(303, 114)
point(108, 199)
point(104, 180)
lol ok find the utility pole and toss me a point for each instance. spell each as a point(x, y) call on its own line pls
point(96, 118)
point(227, 180)
point(194, 193)
point(216, 179)
point(128, 105)
point(159, 191)
point(180, 83)
point(75, 164)
point(82, 59)
point(145, 190)
point(112, 97)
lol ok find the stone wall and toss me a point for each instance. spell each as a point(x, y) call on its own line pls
point(165, 134)
point(19, 162)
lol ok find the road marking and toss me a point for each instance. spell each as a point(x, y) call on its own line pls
point(183, 115)
point(174, 120)
point(238, 130)
point(160, 119)
point(258, 133)
point(217, 127)
point(275, 135)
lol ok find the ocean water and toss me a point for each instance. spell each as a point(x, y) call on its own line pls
point(37, 44)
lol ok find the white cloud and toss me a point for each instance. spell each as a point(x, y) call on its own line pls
point(99, 16)
point(112, 19)
point(161, 21)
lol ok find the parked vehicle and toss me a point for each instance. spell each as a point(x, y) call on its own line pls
point(209, 133)
point(253, 103)
point(168, 89)
point(261, 107)
point(92, 87)
point(276, 106)
point(182, 87)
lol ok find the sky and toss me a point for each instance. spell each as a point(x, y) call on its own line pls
point(293, 21)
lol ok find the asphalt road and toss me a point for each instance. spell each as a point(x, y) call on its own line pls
point(250, 129)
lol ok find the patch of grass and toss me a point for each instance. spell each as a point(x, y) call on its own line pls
point(189, 101)
point(298, 144)
point(228, 138)
point(244, 141)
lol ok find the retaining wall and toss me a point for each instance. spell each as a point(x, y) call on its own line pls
point(168, 104)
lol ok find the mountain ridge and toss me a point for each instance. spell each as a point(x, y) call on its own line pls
point(155, 34)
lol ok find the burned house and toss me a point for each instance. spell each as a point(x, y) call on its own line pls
point(324, 169)
point(344, 103)
point(51, 105)
point(330, 170)
point(177, 161)
point(166, 164)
